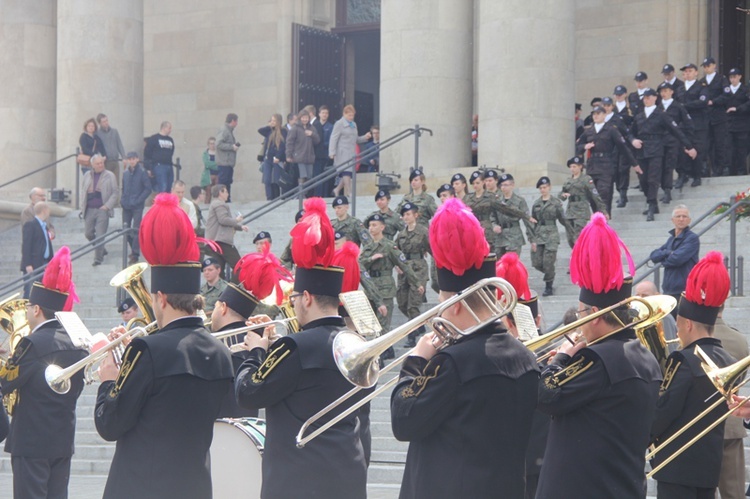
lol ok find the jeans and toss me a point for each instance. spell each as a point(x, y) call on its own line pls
point(132, 218)
point(97, 222)
point(164, 176)
point(226, 177)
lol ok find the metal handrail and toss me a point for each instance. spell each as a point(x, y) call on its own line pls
point(302, 189)
point(50, 165)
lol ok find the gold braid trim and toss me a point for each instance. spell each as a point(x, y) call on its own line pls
point(125, 370)
point(273, 360)
point(561, 377)
point(9, 369)
point(669, 373)
point(418, 385)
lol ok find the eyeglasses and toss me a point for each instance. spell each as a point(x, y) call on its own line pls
point(293, 297)
point(579, 313)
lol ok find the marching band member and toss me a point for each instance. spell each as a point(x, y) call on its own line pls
point(602, 396)
point(453, 406)
point(296, 376)
point(160, 406)
point(42, 430)
point(686, 390)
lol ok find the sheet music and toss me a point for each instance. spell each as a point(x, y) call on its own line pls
point(363, 316)
point(524, 322)
point(76, 329)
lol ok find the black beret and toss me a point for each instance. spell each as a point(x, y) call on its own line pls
point(407, 207)
point(415, 173)
point(542, 181)
point(339, 201)
point(382, 194)
point(261, 235)
point(126, 304)
point(575, 160)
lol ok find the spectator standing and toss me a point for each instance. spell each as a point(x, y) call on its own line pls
point(210, 175)
point(342, 148)
point(474, 139)
point(136, 188)
point(274, 155)
point(36, 246)
point(110, 138)
point(678, 255)
point(738, 109)
point(90, 143)
point(178, 189)
point(300, 146)
point(221, 226)
point(372, 163)
point(226, 152)
point(100, 186)
point(197, 196)
point(36, 195)
point(157, 156)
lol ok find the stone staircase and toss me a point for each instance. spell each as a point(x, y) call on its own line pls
point(98, 302)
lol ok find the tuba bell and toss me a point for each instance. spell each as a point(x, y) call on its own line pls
point(131, 279)
point(286, 308)
point(13, 322)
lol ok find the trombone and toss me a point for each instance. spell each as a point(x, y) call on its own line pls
point(357, 358)
point(227, 336)
point(725, 380)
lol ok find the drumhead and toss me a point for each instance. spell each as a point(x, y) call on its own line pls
point(236, 452)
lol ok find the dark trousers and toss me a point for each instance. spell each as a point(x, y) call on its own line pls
point(603, 180)
point(672, 151)
point(229, 257)
point(318, 169)
point(739, 142)
point(651, 177)
point(718, 139)
point(132, 218)
point(666, 490)
point(40, 478)
point(226, 177)
point(694, 167)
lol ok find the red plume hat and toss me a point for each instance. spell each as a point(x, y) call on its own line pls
point(511, 268)
point(462, 255)
point(706, 290)
point(56, 292)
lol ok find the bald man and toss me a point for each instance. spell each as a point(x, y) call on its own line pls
point(648, 288)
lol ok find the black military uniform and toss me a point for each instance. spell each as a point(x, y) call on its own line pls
point(161, 411)
point(635, 99)
point(651, 131)
point(4, 422)
point(739, 125)
point(672, 147)
point(718, 132)
point(603, 161)
point(293, 381)
point(677, 85)
point(229, 407)
point(42, 431)
point(695, 100)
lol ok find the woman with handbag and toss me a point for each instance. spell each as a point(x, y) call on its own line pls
point(210, 175)
point(90, 145)
point(273, 156)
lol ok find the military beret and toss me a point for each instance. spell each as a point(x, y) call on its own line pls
point(505, 177)
point(209, 261)
point(595, 100)
point(663, 85)
point(476, 175)
point(542, 181)
point(126, 304)
point(382, 194)
point(734, 71)
point(640, 76)
point(443, 188)
point(261, 235)
point(338, 235)
point(409, 207)
point(620, 90)
point(598, 109)
point(415, 173)
point(339, 201)
point(458, 176)
point(575, 160)
point(491, 174)
point(377, 217)
point(298, 215)
point(607, 101)
point(650, 92)
point(707, 61)
point(689, 65)
point(668, 68)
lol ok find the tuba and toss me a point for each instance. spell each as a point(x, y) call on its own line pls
point(131, 279)
point(286, 308)
point(13, 322)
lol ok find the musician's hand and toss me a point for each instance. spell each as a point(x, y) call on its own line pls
point(118, 331)
point(382, 309)
point(742, 412)
point(108, 370)
point(425, 347)
point(254, 339)
point(571, 349)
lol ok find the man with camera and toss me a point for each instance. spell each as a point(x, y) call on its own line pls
point(226, 152)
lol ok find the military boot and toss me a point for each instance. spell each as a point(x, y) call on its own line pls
point(681, 181)
point(652, 207)
point(667, 196)
point(548, 289)
point(623, 201)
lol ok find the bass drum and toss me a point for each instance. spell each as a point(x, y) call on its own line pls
point(236, 452)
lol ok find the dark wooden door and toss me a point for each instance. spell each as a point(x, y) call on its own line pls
point(732, 39)
point(317, 69)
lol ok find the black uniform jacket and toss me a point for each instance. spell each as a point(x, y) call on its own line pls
point(33, 245)
point(602, 403)
point(718, 94)
point(652, 130)
point(4, 423)
point(739, 120)
point(229, 407)
point(679, 115)
point(606, 143)
point(161, 410)
point(44, 422)
point(695, 101)
point(682, 397)
point(467, 415)
point(293, 381)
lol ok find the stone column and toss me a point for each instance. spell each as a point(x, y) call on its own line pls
point(426, 78)
point(526, 87)
point(99, 70)
point(27, 94)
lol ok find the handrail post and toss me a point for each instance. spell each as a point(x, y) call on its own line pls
point(740, 276)
point(354, 190)
point(732, 248)
point(657, 277)
point(78, 179)
point(416, 146)
point(178, 167)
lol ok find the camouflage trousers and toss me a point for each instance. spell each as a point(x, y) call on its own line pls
point(577, 225)
point(385, 320)
point(501, 250)
point(544, 259)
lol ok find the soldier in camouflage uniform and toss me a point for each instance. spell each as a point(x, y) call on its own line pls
point(506, 218)
point(481, 204)
point(414, 243)
point(260, 239)
point(393, 222)
point(444, 192)
point(211, 292)
point(378, 257)
point(547, 210)
point(286, 256)
point(460, 186)
point(581, 194)
point(349, 226)
point(420, 198)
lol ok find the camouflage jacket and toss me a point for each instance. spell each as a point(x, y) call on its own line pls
point(352, 229)
point(426, 204)
point(583, 198)
point(381, 269)
point(548, 213)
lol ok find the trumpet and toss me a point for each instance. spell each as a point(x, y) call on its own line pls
point(228, 336)
point(357, 359)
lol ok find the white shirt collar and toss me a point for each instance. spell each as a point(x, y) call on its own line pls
point(640, 91)
point(710, 78)
point(734, 89)
point(608, 117)
point(620, 105)
point(666, 103)
point(689, 84)
point(648, 110)
point(598, 127)
point(671, 82)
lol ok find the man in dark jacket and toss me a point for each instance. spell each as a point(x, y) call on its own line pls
point(36, 246)
point(136, 188)
point(738, 109)
point(679, 254)
point(717, 87)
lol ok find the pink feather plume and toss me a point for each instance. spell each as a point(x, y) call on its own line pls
point(348, 258)
point(596, 262)
point(166, 234)
point(457, 239)
point(514, 271)
point(312, 237)
point(58, 276)
point(262, 273)
point(708, 282)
